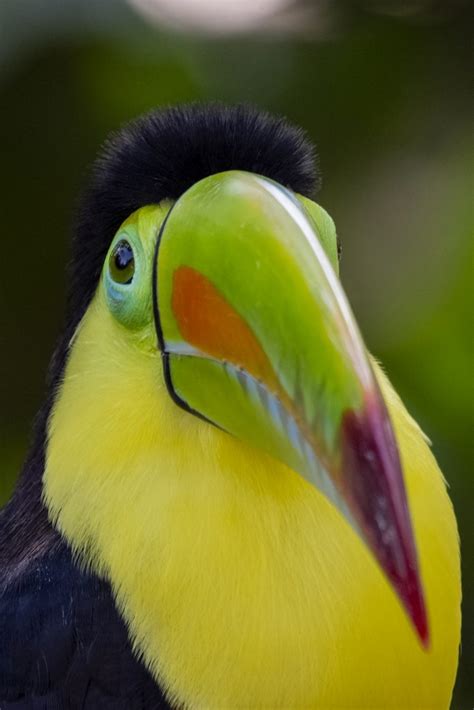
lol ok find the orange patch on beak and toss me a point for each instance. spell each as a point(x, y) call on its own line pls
point(208, 322)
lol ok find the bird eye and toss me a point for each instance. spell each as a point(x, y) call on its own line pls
point(122, 263)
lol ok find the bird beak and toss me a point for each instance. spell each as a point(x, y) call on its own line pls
point(257, 337)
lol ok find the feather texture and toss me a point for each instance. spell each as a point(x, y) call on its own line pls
point(241, 584)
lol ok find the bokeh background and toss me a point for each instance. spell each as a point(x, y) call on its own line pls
point(381, 86)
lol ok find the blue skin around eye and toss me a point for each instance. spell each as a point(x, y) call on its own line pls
point(130, 303)
point(117, 293)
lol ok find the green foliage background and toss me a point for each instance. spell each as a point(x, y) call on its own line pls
point(386, 98)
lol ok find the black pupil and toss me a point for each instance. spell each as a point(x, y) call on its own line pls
point(122, 263)
point(123, 256)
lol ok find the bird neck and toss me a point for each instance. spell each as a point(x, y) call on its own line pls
point(206, 542)
point(236, 578)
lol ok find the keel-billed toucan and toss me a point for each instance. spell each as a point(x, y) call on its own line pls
point(225, 504)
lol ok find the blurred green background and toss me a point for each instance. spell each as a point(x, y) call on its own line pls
point(384, 90)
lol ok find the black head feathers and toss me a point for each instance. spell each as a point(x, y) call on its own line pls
point(162, 154)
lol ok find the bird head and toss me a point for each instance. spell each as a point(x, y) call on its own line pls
point(228, 279)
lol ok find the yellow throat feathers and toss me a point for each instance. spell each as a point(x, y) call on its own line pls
point(242, 587)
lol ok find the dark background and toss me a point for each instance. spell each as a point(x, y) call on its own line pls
point(382, 87)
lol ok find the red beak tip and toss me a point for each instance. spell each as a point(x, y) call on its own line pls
point(413, 599)
point(425, 639)
point(373, 482)
point(420, 622)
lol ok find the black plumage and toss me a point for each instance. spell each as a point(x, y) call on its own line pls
point(64, 646)
point(53, 617)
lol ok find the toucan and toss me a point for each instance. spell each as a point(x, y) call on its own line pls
point(225, 503)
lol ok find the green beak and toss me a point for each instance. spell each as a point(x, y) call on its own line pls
point(258, 338)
